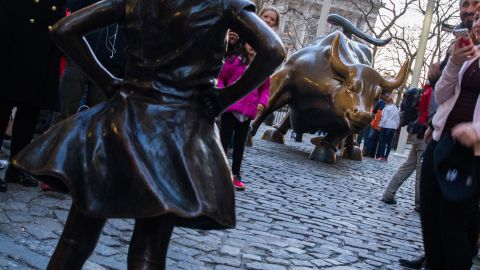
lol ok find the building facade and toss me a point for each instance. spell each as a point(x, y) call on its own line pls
point(300, 18)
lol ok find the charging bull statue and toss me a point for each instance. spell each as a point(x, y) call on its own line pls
point(329, 86)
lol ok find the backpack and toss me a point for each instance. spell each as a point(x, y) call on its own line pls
point(376, 119)
point(409, 106)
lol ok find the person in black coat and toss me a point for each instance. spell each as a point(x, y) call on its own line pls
point(76, 88)
point(30, 71)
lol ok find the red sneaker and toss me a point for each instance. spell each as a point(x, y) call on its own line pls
point(238, 183)
point(45, 187)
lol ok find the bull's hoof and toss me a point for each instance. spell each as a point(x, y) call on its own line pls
point(317, 140)
point(323, 152)
point(352, 152)
point(273, 135)
point(249, 140)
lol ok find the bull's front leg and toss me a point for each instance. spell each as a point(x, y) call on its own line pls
point(278, 100)
point(351, 149)
point(277, 133)
point(326, 148)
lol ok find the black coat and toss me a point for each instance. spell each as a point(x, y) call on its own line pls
point(29, 59)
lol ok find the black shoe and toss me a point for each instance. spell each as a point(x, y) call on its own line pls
point(11, 175)
point(3, 185)
point(27, 180)
point(415, 263)
point(389, 201)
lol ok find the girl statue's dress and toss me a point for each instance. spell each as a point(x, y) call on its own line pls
point(149, 151)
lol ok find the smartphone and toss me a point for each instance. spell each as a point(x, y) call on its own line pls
point(464, 36)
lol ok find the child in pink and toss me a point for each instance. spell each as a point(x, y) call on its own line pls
point(235, 121)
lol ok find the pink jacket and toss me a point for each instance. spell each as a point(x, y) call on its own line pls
point(446, 94)
point(230, 73)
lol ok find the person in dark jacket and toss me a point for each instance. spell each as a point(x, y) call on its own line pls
point(30, 73)
point(413, 163)
point(371, 143)
point(109, 46)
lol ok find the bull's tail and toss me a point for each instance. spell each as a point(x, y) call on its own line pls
point(276, 81)
point(348, 27)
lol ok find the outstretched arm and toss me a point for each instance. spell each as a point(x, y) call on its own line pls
point(68, 35)
point(269, 54)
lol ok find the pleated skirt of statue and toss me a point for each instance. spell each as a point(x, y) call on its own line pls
point(140, 154)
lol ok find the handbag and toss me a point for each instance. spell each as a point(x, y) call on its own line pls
point(454, 166)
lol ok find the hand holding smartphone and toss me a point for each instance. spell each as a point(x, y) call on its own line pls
point(463, 49)
point(464, 36)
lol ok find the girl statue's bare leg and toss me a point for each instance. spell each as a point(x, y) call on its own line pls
point(149, 244)
point(77, 242)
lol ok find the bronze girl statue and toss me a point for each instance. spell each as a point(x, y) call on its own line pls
point(151, 152)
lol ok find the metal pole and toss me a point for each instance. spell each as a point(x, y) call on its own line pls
point(422, 45)
point(322, 22)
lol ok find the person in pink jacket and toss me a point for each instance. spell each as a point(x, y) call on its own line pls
point(450, 227)
point(235, 121)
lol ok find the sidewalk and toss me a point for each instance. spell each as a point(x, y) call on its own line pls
point(295, 214)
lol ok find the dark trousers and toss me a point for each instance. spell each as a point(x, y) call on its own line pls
point(23, 125)
point(230, 126)
point(371, 143)
point(73, 84)
point(385, 144)
point(363, 135)
point(450, 229)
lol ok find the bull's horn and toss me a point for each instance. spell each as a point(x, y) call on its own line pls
point(336, 61)
point(392, 84)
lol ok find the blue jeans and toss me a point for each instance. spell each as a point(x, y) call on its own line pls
point(363, 135)
point(370, 145)
point(386, 138)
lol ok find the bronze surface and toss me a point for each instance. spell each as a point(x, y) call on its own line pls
point(329, 86)
point(151, 152)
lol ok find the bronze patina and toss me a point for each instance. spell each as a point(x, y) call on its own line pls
point(151, 152)
point(329, 86)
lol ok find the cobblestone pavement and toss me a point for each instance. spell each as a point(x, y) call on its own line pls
point(294, 214)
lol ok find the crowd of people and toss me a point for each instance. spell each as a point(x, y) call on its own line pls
point(96, 71)
point(445, 154)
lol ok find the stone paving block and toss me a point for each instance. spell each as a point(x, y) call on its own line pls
point(231, 261)
point(264, 266)
point(121, 225)
point(11, 263)
point(19, 216)
point(106, 251)
point(252, 257)
point(225, 267)
point(24, 197)
point(295, 214)
point(39, 211)
point(15, 206)
point(275, 260)
point(4, 218)
point(229, 250)
point(320, 263)
point(39, 232)
point(297, 262)
point(93, 266)
point(342, 268)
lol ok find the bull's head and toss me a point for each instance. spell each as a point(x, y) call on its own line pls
point(360, 88)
